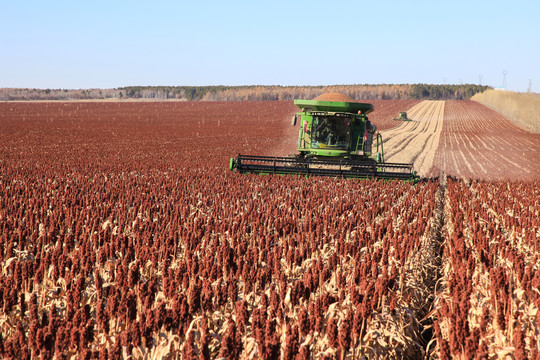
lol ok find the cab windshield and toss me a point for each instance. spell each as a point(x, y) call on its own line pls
point(330, 132)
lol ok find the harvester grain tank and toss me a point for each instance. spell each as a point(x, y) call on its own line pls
point(335, 138)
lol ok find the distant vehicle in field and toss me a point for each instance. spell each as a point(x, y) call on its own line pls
point(402, 116)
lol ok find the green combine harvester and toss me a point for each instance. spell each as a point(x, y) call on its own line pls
point(402, 116)
point(335, 139)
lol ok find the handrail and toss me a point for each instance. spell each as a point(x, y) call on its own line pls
point(379, 136)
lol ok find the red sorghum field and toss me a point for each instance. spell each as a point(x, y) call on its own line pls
point(124, 234)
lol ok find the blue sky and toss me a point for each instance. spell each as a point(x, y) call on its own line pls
point(108, 44)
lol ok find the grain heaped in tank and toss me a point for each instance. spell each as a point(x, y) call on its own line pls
point(334, 97)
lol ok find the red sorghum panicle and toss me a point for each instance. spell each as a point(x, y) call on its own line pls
point(231, 344)
point(205, 340)
point(242, 315)
point(291, 343)
point(303, 321)
point(332, 332)
point(188, 352)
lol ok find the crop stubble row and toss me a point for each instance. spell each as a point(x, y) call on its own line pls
point(416, 141)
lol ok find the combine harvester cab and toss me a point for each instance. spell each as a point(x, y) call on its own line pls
point(335, 139)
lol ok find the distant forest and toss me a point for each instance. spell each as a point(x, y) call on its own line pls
point(246, 93)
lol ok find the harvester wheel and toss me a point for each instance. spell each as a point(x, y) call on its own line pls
point(232, 164)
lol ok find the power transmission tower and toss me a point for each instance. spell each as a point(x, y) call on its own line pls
point(504, 79)
point(480, 79)
point(529, 88)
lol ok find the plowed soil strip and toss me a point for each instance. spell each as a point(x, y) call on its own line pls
point(479, 143)
point(416, 141)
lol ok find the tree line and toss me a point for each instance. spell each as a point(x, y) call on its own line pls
point(250, 92)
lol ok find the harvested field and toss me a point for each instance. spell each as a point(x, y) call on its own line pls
point(124, 234)
point(479, 143)
point(386, 110)
point(463, 139)
point(416, 141)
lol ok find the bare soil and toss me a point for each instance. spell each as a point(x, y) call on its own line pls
point(479, 143)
